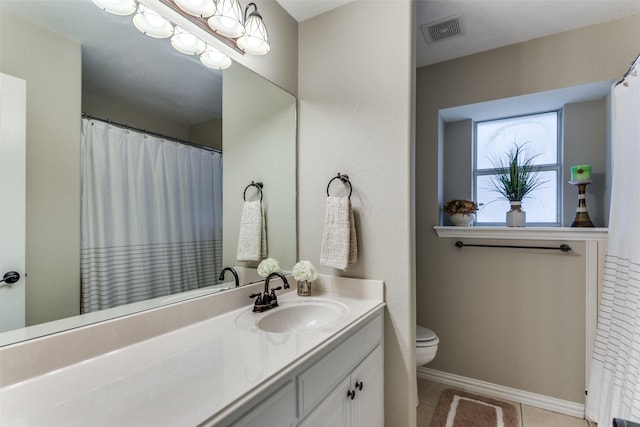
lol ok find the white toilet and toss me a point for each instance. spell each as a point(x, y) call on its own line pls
point(426, 348)
point(426, 345)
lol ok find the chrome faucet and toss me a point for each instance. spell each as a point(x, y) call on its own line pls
point(233, 271)
point(267, 301)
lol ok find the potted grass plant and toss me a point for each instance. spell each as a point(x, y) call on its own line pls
point(515, 178)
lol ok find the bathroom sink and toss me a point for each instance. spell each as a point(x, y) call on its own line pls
point(301, 317)
point(297, 316)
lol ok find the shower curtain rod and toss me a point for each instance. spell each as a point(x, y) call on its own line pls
point(170, 138)
point(634, 64)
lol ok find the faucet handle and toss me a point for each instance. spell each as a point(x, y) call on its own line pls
point(258, 299)
point(273, 297)
point(266, 298)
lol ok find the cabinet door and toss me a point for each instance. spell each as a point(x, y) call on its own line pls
point(367, 380)
point(334, 410)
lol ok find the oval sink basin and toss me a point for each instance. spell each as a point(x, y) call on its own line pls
point(301, 317)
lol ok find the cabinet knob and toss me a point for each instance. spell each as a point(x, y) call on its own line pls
point(351, 394)
point(359, 385)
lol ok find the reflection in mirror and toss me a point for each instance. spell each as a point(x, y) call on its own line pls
point(76, 58)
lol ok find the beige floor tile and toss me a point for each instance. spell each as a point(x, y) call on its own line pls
point(535, 417)
point(425, 414)
point(429, 391)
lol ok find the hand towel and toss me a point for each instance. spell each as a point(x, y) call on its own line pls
point(252, 239)
point(339, 242)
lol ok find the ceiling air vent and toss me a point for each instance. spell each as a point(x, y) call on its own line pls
point(442, 29)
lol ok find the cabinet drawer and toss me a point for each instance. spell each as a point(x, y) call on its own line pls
point(279, 409)
point(321, 378)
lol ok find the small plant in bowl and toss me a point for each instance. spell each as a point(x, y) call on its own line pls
point(461, 211)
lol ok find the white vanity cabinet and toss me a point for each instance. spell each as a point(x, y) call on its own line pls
point(340, 386)
point(357, 401)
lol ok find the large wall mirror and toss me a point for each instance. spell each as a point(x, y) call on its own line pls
point(78, 59)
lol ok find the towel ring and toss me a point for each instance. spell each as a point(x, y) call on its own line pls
point(345, 180)
point(258, 185)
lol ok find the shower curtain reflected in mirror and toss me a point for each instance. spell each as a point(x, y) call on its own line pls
point(151, 216)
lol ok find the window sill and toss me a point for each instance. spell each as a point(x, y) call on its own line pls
point(523, 233)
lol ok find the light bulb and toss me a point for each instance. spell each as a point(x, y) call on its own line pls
point(215, 59)
point(151, 23)
point(187, 43)
point(201, 8)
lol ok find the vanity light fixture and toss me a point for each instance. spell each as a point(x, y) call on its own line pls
point(185, 42)
point(255, 39)
point(151, 23)
point(117, 7)
point(215, 59)
point(246, 33)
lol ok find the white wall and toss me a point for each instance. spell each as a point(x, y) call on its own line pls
point(356, 109)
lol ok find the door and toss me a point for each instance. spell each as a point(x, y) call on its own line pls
point(13, 92)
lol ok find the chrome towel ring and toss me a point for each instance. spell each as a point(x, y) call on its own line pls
point(258, 185)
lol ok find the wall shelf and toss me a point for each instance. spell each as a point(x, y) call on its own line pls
point(523, 233)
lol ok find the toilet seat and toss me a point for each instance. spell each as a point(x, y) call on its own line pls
point(425, 337)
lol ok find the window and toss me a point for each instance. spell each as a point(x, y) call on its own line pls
point(541, 135)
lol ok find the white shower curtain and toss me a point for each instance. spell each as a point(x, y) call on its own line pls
point(614, 385)
point(151, 216)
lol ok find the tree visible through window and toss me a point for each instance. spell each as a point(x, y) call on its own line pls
point(539, 133)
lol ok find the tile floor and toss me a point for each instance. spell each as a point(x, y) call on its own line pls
point(429, 392)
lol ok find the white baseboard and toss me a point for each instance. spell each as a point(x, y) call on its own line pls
point(498, 391)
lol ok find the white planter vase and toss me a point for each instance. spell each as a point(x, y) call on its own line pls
point(462, 220)
point(516, 217)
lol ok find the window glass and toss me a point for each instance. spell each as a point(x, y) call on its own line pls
point(493, 139)
point(539, 132)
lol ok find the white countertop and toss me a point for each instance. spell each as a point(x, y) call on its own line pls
point(179, 378)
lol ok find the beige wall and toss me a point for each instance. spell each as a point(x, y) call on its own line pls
point(259, 130)
point(118, 112)
point(356, 118)
point(53, 163)
point(514, 318)
point(208, 133)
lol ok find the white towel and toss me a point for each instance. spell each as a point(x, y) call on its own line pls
point(252, 239)
point(339, 243)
